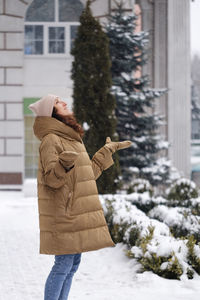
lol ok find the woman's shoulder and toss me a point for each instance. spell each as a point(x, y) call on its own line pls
point(51, 136)
point(50, 139)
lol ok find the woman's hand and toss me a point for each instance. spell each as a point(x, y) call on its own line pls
point(68, 158)
point(115, 146)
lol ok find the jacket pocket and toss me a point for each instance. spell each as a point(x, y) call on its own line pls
point(69, 203)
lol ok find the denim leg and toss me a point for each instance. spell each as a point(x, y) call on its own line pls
point(68, 280)
point(54, 283)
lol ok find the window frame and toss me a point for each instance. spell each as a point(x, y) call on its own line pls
point(46, 25)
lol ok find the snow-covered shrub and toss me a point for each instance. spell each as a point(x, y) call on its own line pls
point(158, 257)
point(117, 230)
point(132, 235)
point(181, 220)
point(140, 186)
point(121, 229)
point(194, 205)
point(144, 201)
point(150, 241)
point(193, 254)
point(182, 189)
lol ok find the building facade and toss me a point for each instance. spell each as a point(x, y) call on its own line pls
point(35, 41)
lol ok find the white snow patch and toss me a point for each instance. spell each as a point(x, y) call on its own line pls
point(86, 126)
point(30, 188)
point(106, 274)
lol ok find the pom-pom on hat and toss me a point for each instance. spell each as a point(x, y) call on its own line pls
point(44, 106)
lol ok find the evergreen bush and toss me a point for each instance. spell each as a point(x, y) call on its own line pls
point(165, 266)
point(150, 241)
point(144, 201)
point(181, 221)
point(182, 189)
point(132, 235)
point(140, 186)
point(194, 254)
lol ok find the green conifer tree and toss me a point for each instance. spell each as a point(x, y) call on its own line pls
point(94, 105)
point(135, 100)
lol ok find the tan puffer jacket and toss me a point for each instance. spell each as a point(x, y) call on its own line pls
point(70, 213)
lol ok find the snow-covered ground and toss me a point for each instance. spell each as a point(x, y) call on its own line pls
point(106, 274)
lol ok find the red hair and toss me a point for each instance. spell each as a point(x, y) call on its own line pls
point(68, 120)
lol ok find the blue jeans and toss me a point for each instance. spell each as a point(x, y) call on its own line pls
point(59, 281)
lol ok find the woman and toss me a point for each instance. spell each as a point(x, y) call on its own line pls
point(70, 213)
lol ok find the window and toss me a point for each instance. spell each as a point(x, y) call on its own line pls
point(196, 129)
point(70, 10)
point(41, 11)
point(33, 39)
point(56, 40)
point(51, 26)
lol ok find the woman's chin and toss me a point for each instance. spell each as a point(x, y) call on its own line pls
point(68, 114)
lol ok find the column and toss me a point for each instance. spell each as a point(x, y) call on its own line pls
point(179, 107)
point(160, 59)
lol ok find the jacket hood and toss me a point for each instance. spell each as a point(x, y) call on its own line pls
point(46, 125)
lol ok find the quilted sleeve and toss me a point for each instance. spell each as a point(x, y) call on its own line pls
point(101, 161)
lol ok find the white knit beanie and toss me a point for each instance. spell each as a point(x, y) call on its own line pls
point(44, 106)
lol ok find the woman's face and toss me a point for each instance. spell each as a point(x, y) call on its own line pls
point(61, 108)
